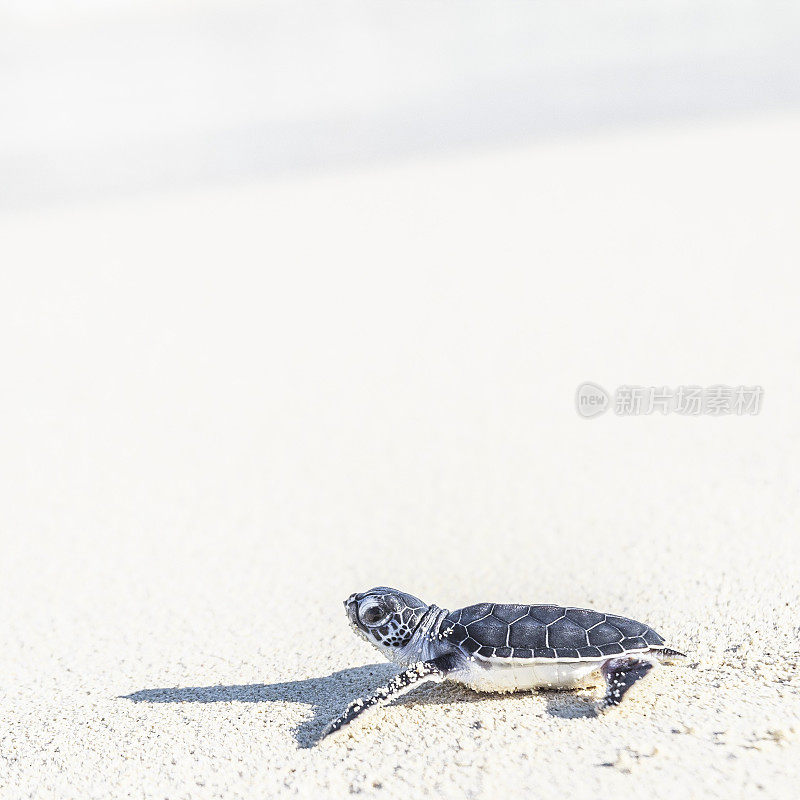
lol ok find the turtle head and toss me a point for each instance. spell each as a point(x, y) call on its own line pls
point(385, 618)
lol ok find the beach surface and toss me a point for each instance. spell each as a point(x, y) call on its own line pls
point(225, 409)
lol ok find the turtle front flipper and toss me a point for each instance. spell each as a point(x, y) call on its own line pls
point(620, 674)
point(421, 672)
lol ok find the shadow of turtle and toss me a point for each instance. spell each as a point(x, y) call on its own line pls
point(576, 704)
point(327, 695)
point(564, 703)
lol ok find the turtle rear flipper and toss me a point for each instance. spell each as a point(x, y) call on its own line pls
point(620, 675)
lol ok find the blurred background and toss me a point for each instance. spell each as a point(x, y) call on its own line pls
point(294, 300)
point(110, 97)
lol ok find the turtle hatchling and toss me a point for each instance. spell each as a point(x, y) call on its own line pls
point(495, 647)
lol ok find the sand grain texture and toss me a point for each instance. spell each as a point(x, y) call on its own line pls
point(223, 412)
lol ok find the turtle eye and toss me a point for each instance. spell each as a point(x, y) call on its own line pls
point(372, 615)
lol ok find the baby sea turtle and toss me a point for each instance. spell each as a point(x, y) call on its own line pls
point(494, 647)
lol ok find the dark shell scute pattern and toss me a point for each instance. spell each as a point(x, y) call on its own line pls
point(494, 630)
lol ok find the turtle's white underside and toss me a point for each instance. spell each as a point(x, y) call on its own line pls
point(516, 674)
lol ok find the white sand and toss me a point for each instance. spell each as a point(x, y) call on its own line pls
point(222, 413)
